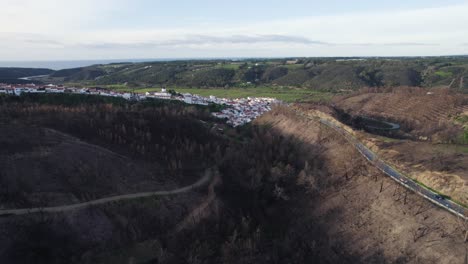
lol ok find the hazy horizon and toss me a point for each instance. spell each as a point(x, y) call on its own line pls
point(67, 64)
point(108, 29)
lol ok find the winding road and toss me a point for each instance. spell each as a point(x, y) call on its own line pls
point(63, 208)
point(396, 175)
point(365, 151)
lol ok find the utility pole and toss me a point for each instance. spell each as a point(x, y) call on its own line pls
point(466, 255)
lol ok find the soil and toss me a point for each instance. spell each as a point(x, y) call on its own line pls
point(420, 114)
point(370, 214)
point(442, 167)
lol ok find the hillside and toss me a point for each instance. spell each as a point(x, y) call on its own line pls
point(69, 148)
point(363, 211)
point(11, 75)
point(284, 189)
point(430, 147)
point(330, 74)
point(422, 113)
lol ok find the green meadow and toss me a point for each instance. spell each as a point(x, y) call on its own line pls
point(286, 94)
point(280, 93)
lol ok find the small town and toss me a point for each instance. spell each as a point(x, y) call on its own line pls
point(238, 111)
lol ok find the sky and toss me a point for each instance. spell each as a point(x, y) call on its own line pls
point(118, 29)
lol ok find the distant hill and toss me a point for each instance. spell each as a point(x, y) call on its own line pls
point(15, 73)
point(80, 74)
point(330, 74)
point(12, 75)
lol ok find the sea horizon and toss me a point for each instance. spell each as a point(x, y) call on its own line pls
point(67, 64)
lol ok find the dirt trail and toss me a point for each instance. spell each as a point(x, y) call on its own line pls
point(200, 210)
point(206, 178)
point(451, 83)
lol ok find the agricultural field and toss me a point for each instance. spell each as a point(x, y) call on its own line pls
point(281, 93)
point(324, 74)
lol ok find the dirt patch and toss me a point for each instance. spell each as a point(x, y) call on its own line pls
point(370, 214)
point(441, 167)
point(421, 114)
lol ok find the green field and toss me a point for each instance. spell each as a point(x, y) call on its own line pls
point(285, 94)
point(230, 66)
point(280, 93)
point(444, 74)
point(294, 66)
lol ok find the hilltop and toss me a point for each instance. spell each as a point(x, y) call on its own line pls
point(330, 74)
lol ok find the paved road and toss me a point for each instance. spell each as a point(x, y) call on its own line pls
point(206, 178)
point(397, 176)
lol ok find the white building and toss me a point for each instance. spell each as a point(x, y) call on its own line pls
point(18, 91)
point(162, 95)
point(127, 96)
point(188, 98)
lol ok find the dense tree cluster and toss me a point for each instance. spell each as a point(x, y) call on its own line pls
point(154, 130)
point(264, 175)
point(13, 73)
point(213, 78)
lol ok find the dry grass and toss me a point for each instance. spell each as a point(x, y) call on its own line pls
point(420, 113)
point(372, 215)
point(441, 167)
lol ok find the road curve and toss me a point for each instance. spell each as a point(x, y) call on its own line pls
point(63, 208)
point(399, 177)
point(402, 179)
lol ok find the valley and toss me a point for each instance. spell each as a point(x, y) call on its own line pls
point(128, 173)
point(235, 132)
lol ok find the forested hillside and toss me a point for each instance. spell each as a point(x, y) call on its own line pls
point(329, 74)
point(123, 147)
point(283, 189)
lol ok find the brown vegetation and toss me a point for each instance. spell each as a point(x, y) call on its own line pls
point(443, 167)
point(287, 191)
point(372, 215)
point(433, 152)
point(422, 113)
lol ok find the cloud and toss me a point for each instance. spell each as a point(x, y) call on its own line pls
point(394, 44)
point(60, 29)
point(254, 39)
point(410, 44)
point(200, 40)
point(61, 16)
point(29, 40)
point(45, 42)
